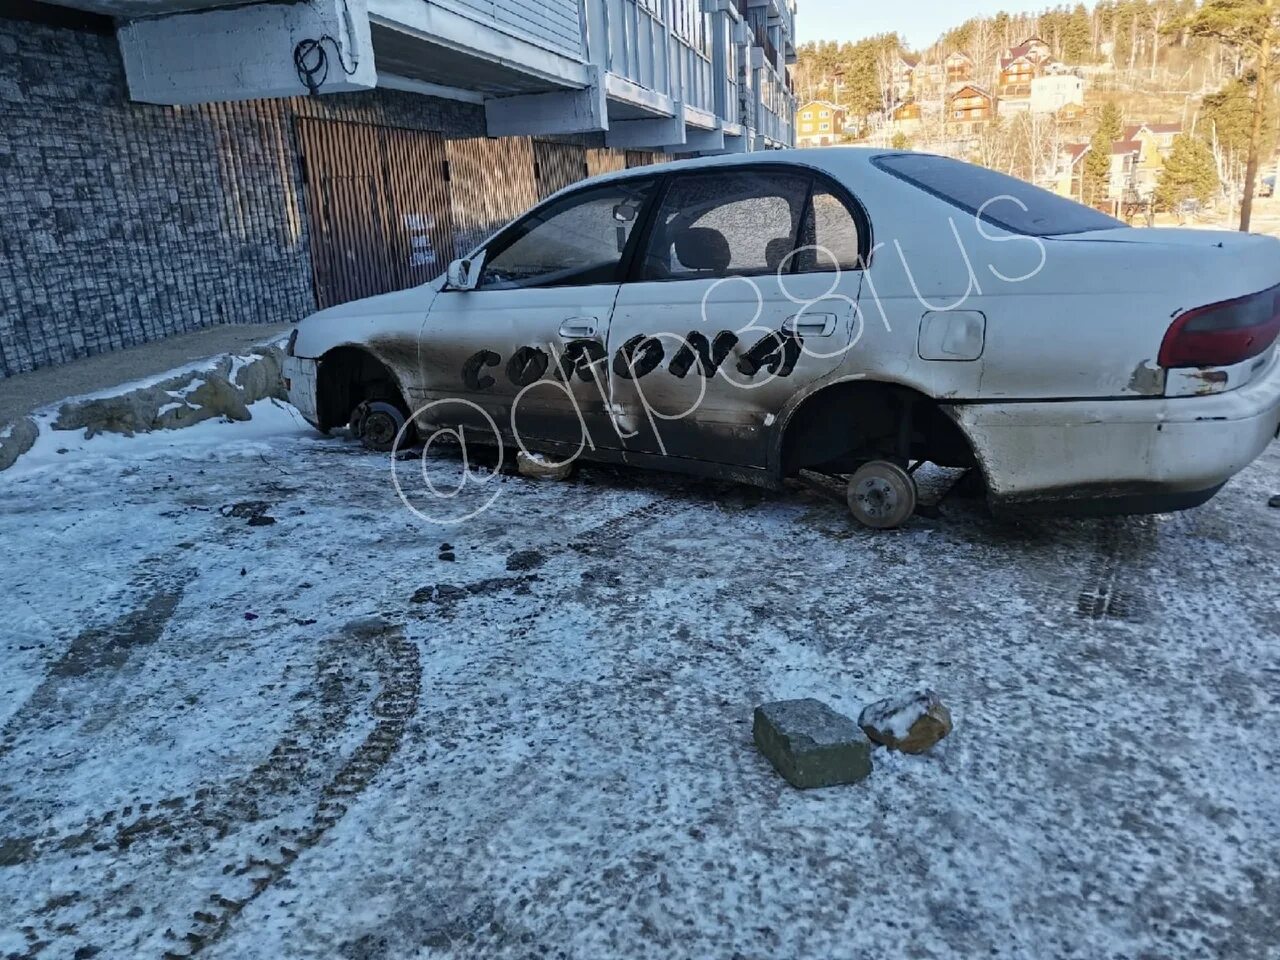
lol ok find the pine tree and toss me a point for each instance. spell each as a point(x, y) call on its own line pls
point(1111, 122)
point(1096, 180)
point(1228, 116)
point(1189, 173)
point(1250, 27)
point(1077, 36)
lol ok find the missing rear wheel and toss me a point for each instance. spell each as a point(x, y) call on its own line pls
point(882, 495)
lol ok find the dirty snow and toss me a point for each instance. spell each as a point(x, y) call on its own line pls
point(252, 707)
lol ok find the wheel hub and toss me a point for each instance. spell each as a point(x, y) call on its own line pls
point(379, 428)
point(882, 495)
point(877, 497)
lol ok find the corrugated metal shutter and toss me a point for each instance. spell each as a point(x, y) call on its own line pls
point(491, 182)
point(643, 158)
point(378, 206)
point(605, 161)
point(557, 165)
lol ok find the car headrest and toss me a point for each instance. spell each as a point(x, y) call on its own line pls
point(701, 248)
point(776, 251)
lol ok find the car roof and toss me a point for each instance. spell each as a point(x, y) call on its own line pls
point(838, 161)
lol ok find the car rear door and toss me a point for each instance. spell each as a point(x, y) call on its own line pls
point(745, 290)
point(524, 351)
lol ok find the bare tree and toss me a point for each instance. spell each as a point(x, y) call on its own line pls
point(984, 48)
point(1159, 17)
point(886, 78)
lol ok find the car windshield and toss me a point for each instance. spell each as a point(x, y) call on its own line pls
point(1001, 200)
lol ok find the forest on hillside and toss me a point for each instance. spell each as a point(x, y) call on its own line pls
point(1156, 61)
point(1140, 39)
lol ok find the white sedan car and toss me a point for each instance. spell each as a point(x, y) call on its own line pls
point(851, 312)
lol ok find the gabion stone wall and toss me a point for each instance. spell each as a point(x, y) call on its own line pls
point(123, 222)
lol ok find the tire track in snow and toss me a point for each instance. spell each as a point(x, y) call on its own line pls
point(399, 674)
point(189, 825)
point(1110, 591)
point(103, 649)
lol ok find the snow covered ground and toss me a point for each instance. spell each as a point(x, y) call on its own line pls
point(322, 737)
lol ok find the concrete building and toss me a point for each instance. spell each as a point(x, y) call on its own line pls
point(1049, 94)
point(1155, 142)
point(1069, 171)
point(907, 118)
point(1017, 66)
point(1123, 183)
point(970, 109)
point(902, 80)
point(172, 164)
point(959, 67)
point(819, 124)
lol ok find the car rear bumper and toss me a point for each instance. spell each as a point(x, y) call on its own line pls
point(300, 383)
point(1120, 456)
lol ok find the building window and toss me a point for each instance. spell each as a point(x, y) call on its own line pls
point(824, 126)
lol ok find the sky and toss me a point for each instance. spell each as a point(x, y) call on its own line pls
point(920, 21)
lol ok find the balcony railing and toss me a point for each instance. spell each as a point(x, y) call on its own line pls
point(630, 40)
point(776, 116)
point(765, 44)
point(551, 24)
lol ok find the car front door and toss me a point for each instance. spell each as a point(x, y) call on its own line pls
point(524, 352)
point(746, 290)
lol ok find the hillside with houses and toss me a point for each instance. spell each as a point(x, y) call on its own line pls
point(1125, 107)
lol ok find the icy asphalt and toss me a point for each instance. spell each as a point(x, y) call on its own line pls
point(321, 737)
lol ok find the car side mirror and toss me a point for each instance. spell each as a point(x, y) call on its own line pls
point(464, 274)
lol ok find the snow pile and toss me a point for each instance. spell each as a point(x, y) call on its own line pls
point(214, 388)
point(222, 388)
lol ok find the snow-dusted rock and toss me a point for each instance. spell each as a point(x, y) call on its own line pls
point(537, 466)
point(16, 439)
point(810, 744)
point(911, 723)
point(225, 389)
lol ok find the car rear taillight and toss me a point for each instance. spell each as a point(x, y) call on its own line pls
point(1225, 333)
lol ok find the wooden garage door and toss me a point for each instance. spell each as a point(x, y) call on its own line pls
point(377, 205)
point(557, 165)
point(491, 183)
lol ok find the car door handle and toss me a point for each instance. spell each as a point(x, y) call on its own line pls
point(811, 324)
point(579, 328)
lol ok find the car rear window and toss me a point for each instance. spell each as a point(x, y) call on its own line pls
point(1006, 202)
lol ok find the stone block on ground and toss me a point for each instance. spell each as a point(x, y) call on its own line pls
point(811, 745)
point(911, 723)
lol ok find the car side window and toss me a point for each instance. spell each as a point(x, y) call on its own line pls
point(830, 230)
point(577, 241)
point(726, 224)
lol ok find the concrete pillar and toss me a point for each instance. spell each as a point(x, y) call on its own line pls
point(667, 133)
point(248, 52)
point(542, 114)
